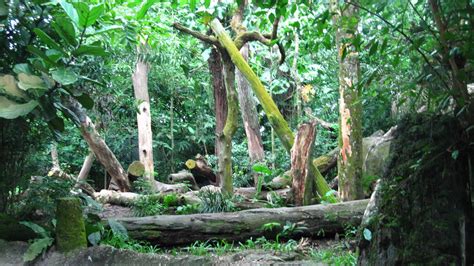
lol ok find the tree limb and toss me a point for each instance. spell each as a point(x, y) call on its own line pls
point(202, 37)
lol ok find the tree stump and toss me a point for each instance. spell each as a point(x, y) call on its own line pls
point(70, 229)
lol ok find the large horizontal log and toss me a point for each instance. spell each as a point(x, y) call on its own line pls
point(168, 230)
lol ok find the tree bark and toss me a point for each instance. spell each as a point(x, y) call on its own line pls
point(169, 230)
point(97, 144)
point(247, 104)
point(220, 100)
point(350, 107)
point(274, 116)
point(302, 186)
point(184, 177)
point(225, 165)
point(145, 137)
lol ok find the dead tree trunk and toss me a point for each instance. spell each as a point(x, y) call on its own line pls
point(145, 137)
point(247, 104)
point(220, 99)
point(104, 155)
point(169, 230)
point(302, 187)
point(86, 167)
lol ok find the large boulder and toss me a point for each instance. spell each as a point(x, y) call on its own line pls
point(423, 214)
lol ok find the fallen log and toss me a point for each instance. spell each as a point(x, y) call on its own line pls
point(202, 172)
point(169, 230)
point(183, 177)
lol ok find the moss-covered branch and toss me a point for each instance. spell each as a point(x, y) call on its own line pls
point(276, 119)
point(202, 37)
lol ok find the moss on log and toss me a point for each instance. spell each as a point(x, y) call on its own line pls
point(70, 229)
point(168, 230)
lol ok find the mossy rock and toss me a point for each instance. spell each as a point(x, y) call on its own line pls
point(12, 230)
point(70, 228)
point(423, 200)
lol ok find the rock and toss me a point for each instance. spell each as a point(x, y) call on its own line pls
point(375, 151)
point(70, 229)
point(423, 215)
point(11, 253)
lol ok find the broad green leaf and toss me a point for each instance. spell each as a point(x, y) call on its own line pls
point(88, 17)
point(89, 50)
point(105, 29)
point(22, 68)
point(41, 54)
point(46, 39)
point(118, 229)
point(65, 30)
point(144, 8)
point(70, 11)
point(8, 83)
point(64, 76)
point(86, 101)
point(192, 4)
point(11, 110)
point(27, 82)
point(54, 55)
point(39, 230)
point(36, 248)
point(94, 238)
point(261, 168)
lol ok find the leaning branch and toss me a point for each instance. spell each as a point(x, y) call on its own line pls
point(196, 34)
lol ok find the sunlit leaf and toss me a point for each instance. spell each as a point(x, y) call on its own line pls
point(11, 110)
point(64, 76)
point(70, 11)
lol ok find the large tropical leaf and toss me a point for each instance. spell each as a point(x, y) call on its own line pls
point(64, 76)
point(8, 84)
point(11, 110)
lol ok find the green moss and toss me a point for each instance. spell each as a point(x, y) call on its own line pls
point(70, 229)
point(423, 196)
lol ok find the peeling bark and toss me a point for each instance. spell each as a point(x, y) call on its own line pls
point(350, 107)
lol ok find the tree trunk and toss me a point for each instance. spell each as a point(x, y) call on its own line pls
point(145, 138)
point(184, 177)
point(220, 100)
point(302, 187)
point(225, 163)
point(247, 104)
point(102, 152)
point(249, 117)
point(350, 107)
point(274, 116)
point(170, 230)
point(86, 167)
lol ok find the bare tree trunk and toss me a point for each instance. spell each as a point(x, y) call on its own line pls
point(350, 107)
point(302, 187)
point(249, 116)
point(220, 99)
point(97, 144)
point(247, 104)
point(86, 167)
point(145, 138)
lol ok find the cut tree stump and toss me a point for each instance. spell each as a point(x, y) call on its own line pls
point(202, 172)
point(170, 230)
